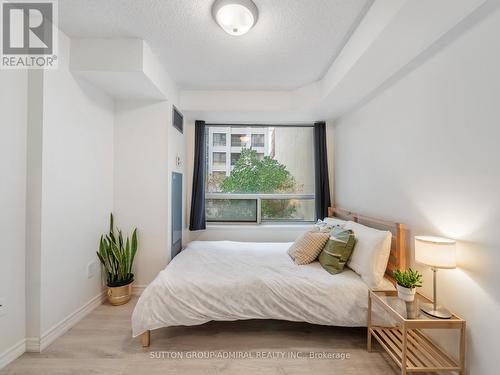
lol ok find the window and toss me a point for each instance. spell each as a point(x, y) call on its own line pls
point(271, 179)
point(257, 140)
point(219, 139)
point(231, 210)
point(235, 156)
point(238, 140)
point(219, 160)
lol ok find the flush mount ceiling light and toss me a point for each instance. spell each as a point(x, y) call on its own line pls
point(236, 17)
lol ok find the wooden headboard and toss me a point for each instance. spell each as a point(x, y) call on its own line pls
point(399, 248)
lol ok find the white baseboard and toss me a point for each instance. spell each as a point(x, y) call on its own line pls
point(35, 344)
point(12, 353)
point(138, 289)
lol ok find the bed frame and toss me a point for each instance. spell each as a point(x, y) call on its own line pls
point(399, 247)
point(397, 258)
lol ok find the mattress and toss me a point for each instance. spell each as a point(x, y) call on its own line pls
point(225, 280)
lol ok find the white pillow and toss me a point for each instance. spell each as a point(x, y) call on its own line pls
point(333, 221)
point(371, 253)
point(321, 226)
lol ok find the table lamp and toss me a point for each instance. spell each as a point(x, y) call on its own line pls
point(438, 253)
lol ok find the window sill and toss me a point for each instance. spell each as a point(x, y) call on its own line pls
point(253, 226)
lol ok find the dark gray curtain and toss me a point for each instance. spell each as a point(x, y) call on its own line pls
point(197, 218)
point(321, 171)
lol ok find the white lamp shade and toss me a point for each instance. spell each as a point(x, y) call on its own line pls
point(435, 251)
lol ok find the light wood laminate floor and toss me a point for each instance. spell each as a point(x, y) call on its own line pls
point(102, 344)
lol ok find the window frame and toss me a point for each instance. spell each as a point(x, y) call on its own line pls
point(258, 197)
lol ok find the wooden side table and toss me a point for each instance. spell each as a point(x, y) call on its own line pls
point(406, 344)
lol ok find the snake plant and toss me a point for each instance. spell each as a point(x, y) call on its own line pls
point(117, 256)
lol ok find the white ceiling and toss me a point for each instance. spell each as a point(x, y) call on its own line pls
point(293, 43)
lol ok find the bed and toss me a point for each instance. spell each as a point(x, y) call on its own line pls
point(225, 280)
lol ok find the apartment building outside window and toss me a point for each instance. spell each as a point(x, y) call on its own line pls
point(239, 140)
point(219, 160)
point(258, 140)
point(219, 139)
point(235, 156)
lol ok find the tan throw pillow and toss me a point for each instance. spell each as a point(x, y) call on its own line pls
point(307, 247)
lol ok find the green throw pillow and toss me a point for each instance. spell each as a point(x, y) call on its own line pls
point(337, 250)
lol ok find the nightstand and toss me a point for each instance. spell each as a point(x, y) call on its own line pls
point(405, 342)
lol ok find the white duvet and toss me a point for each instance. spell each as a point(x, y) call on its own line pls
point(224, 280)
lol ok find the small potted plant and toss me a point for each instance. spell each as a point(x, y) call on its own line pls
point(407, 283)
point(117, 257)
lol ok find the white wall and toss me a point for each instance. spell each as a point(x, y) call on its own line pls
point(77, 188)
point(250, 233)
point(13, 130)
point(34, 204)
point(141, 181)
point(146, 146)
point(59, 156)
point(425, 152)
point(177, 147)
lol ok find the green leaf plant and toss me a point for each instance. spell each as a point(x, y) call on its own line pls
point(117, 255)
point(252, 174)
point(408, 279)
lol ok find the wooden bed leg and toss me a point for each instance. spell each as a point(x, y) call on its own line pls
point(146, 339)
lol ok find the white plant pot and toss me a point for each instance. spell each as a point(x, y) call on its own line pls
point(406, 294)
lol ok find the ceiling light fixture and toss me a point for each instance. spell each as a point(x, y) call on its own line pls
point(235, 17)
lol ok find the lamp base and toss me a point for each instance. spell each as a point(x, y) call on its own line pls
point(439, 312)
